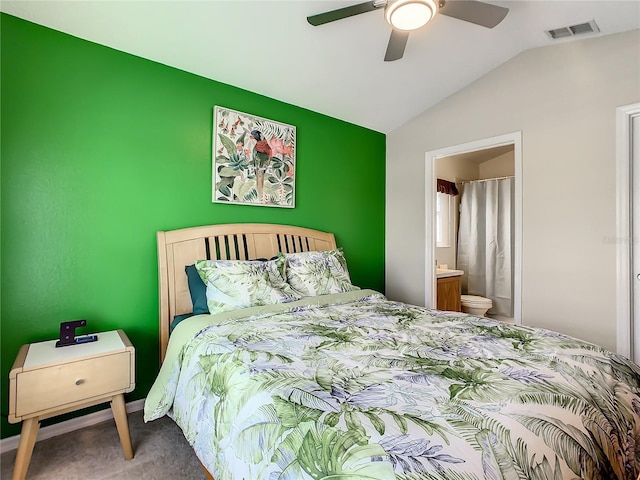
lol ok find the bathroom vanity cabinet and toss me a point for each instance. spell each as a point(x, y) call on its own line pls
point(449, 291)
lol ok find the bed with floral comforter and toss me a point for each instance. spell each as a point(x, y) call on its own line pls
point(352, 386)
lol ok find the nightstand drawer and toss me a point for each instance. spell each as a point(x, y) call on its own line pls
point(59, 385)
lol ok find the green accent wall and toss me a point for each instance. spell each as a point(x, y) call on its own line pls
point(101, 149)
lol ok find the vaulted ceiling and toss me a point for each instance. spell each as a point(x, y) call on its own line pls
point(268, 47)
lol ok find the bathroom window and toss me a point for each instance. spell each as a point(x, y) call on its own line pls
point(443, 219)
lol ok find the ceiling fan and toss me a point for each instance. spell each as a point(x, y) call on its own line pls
point(407, 15)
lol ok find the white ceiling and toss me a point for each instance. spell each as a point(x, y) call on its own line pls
point(268, 47)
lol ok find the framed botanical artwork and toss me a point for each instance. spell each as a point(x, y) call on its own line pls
point(254, 160)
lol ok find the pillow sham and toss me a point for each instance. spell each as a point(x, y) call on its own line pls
point(233, 284)
point(198, 290)
point(318, 273)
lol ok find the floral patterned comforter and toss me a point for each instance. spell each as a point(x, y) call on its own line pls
point(353, 386)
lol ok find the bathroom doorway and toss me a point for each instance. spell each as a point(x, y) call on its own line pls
point(498, 159)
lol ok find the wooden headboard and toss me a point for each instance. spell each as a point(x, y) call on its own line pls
point(240, 241)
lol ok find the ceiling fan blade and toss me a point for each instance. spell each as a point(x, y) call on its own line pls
point(397, 42)
point(345, 12)
point(480, 13)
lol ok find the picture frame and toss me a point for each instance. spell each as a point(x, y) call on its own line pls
point(253, 160)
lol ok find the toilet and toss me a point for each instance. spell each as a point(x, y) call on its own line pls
point(475, 305)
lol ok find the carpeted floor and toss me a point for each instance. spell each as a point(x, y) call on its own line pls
point(94, 453)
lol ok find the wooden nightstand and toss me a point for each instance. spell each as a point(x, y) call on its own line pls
point(46, 381)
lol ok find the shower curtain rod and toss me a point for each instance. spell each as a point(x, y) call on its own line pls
point(486, 179)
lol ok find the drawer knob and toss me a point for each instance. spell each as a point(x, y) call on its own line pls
point(80, 381)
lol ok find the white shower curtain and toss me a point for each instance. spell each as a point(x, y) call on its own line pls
point(485, 242)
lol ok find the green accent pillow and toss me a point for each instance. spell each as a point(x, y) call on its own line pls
point(318, 273)
point(197, 290)
point(234, 284)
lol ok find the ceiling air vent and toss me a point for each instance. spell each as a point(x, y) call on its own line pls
point(578, 29)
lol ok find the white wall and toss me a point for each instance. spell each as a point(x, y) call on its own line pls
point(563, 100)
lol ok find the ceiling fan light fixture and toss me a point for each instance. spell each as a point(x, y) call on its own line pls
point(410, 15)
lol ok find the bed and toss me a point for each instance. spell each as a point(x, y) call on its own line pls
point(339, 382)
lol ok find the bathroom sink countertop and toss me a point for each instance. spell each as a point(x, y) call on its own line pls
point(445, 272)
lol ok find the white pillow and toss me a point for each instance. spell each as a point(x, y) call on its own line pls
point(234, 284)
point(318, 273)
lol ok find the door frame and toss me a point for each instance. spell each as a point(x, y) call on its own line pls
point(626, 330)
point(515, 139)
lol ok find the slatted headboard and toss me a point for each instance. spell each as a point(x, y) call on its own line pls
point(241, 241)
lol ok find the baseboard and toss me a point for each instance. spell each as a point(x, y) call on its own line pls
point(11, 443)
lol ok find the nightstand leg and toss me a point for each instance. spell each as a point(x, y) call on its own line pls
point(28, 437)
point(122, 424)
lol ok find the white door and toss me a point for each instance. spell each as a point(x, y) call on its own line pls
point(635, 232)
point(628, 230)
